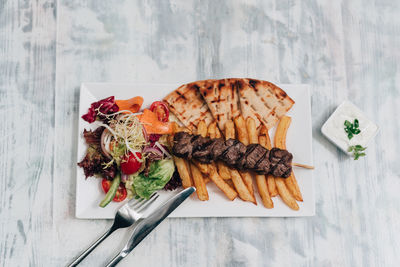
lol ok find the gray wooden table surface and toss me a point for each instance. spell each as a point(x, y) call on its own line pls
point(342, 49)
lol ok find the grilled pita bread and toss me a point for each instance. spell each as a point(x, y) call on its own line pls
point(188, 106)
point(226, 99)
point(222, 99)
point(245, 107)
point(263, 100)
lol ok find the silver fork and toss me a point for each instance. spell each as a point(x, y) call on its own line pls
point(127, 215)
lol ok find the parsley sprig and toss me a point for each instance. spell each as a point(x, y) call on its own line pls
point(357, 151)
point(351, 128)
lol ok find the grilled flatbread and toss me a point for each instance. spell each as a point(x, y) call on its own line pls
point(222, 99)
point(246, 109)
point(188, 106)
point(226, 99)
point(263, 100)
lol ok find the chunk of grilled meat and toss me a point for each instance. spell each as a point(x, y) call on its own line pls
point(235, 154)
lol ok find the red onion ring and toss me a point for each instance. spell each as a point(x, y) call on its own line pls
point(157, 154)
point(103, 148)
point(145, 135)
point(164, 149)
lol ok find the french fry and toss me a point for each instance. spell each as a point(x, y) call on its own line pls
point(248, 180)
point(184, 172)
point(212, 174)
point(281, 130)
point(207, 180)
point(217, 132)
point(262, 186)
point(202, 128)
point(187, 166)
point(261, 180)
point(252, 130)
point(293, 187)
point(241, 187)
point(237, 180)
point(272, 185)
point(202, 167)
point(211, 169)
point(212, 130)
point(280, 142)
point(221, 184)
point(223, 170)
point(199, 183)
point(265, 135)
point(241, 130)
point(229, 130)
point(285, 194)
point(244, 138)
point(265, 141)
point(181, 164)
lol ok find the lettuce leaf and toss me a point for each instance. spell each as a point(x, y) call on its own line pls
point(160, 173)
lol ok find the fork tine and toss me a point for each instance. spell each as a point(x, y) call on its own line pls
point(137, 204)
point(144, 202)
point(133, 201)
point(147, 203)
point(152, 195)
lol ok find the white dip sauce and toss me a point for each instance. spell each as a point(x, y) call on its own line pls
point(334, 127)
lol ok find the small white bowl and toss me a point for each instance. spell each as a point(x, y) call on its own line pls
point(333, 128)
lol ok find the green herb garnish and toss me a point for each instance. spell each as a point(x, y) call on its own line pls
point(351, 128)
point(357, 151)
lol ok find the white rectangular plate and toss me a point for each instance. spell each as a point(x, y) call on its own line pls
point(89, 192)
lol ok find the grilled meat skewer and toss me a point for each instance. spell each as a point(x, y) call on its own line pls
point(235, 154)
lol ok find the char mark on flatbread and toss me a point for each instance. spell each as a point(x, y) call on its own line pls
point(222, 99)
point(188, 106)
point(265, 101)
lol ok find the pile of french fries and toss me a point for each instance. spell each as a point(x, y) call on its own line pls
point(234, 183)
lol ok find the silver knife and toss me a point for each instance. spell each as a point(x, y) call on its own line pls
point(146, 225)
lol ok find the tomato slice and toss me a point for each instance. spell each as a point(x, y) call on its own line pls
point(161, 109)
point(121, 192)
point(105, 184)
point(130, 164)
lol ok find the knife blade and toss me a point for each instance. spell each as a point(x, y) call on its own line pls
point(146, 225)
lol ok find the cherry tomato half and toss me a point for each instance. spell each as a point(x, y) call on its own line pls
point(161, 109)
point(121, 192)
point(130, 164)
point(105, 184)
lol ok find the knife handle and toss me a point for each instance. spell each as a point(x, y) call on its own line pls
point(116, 260)
point(143, 228)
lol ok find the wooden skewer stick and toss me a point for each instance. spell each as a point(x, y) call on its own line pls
point(303, 166)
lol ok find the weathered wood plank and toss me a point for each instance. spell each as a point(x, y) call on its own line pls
point(27, 81)
point(344, 50)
